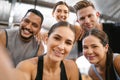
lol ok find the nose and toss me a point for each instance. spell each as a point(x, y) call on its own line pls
point(29, 25)
point(89, 51)
point(87, 20)
point(61, 46)
point(62, 14)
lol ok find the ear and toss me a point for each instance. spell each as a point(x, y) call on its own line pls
point(97, 14)
point(77, 21)
point(106, 47)
point(46, 38)
point(53, 14)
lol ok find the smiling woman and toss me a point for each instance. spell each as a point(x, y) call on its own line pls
point(96, 49)
point(51, 66)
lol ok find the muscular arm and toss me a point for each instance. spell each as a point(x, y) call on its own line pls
point(40, 37)
point(71, 70)
point(23, 71)
point(117, 64)
point(92, 74)
point(41, 49)
point(3, 37)
point(7, 71)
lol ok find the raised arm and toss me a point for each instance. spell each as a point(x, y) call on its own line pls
point(7, 70)
point(3, 37)
point(72, 70)
point(117, 64)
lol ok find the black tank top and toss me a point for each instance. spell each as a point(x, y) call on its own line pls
point(39, 75)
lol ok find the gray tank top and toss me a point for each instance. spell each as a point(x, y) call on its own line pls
point(100, 78)
point(20, 50)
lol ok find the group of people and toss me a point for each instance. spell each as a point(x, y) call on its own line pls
point(22, 56)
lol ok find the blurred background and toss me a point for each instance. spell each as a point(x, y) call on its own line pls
point(11, 11)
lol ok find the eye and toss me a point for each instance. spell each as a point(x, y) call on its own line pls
point(68, 42)
point(26, 20)
point(85, 47)
point(94, 46)
point(66, 12)
point(82, 18)
point(58, 10)
point(90, 15)
point(35, 25)
point(56, 38)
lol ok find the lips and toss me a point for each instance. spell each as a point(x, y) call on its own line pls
point(26, 31)
point(58, 53)
point(90, 57)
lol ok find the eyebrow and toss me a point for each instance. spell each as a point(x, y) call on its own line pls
point(61, 37)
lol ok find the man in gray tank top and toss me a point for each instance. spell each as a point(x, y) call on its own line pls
point(21, 42)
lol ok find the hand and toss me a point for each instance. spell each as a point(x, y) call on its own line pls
point(41, 36)
point(38, 37)
point(79, 32)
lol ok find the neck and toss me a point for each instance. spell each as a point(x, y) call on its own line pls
point(50, 65)
point(100, 26)
point(101, 64)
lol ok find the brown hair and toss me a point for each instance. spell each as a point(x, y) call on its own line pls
point(102, 36)
point(60, 3)
point(61, 24)
point(83, 4)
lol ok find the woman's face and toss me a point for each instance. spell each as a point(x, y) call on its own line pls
point(59, 43)
point(93, 50)
point(61, 13)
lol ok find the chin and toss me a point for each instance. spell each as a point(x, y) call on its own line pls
point(26, 38)
point(56, 59)
point(92, 62)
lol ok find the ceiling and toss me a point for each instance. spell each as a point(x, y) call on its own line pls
point(13, 11)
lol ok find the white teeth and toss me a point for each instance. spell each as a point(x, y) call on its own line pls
point(26, 31)
point(58, 52)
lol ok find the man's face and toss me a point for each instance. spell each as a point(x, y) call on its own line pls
point(30, 26)
point(88, 18)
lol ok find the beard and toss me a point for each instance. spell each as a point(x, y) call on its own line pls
point(26, 38)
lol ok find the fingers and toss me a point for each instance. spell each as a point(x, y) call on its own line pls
point(79, 32)
point(38, 37)
point(41, 37)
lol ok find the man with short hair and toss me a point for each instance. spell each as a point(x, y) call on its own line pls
point(21, 42)
point(88, 18)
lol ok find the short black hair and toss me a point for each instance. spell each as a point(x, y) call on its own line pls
point(37, 13)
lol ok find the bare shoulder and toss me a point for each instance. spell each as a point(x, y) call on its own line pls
point(92, 74)
point(41, 49)
point(70, 64)
point(117, 64)
point(2, 37)
point(28, 65)
point(71, 69)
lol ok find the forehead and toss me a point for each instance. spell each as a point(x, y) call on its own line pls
point(33, 17)
point(91, 40)
point(86, 11)
point(65, 32)
point(62, 7)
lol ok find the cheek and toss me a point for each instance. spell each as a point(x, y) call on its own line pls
point(81, 23)
point(22, 24)
point(68, 49)
point(36, 30)
point(84, 52)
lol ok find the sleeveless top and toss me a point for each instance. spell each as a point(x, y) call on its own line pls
point(20, 50)
point(40, 67)
point(100, 78)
